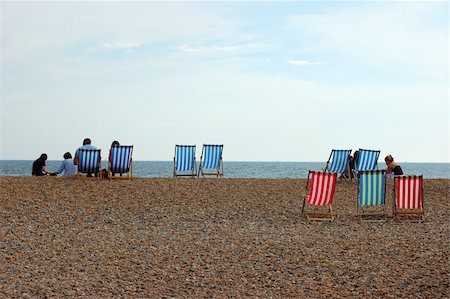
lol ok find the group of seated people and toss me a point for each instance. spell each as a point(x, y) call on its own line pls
point(392, 167)
point(68, 165)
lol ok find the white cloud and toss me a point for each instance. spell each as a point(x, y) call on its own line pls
point(120, 45)
point(77, 26)
point(189, 49)
point(251, 47)
point(303, 62)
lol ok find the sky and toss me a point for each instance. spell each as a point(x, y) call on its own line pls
point(272, 81)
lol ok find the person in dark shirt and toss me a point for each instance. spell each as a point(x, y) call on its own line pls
point(39, 167)
point(352, 162)
point(351, 168)
point(355, 158)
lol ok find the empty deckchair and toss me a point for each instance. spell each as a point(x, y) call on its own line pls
point(408, 198)
point(184, 163)
point(371, 203)
point(338, 162)
point(321, 194)
point(211, 160)
point(89, 163)
point(120, 162)
point(367, 160)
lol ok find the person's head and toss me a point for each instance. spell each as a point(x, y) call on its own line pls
point(115, 143)
point(43, 157)
point(389, 159)
point(86, 141)
point(67, 156)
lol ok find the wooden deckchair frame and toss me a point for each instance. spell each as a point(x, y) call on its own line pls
point(342, 175)
point(315, 215)
point(413, 215)
point(219, 172)
point(97, 176)
point(129, 174)
point(193, 174)
point(367, 216)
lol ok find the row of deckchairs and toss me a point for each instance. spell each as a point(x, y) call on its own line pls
point(120, 163)
point(211, 164)
point(338, 162)
point(371, 196)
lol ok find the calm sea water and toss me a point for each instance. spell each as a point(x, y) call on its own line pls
point(164, 169)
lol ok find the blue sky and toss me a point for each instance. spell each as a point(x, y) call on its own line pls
point(271, 81)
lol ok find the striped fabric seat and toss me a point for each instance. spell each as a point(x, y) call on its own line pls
point(367, 160)
point(372, 195)
point(184, 160)
point(120, 162)
point(211, 160)
point(372, 188)
point(409, 193)
point(89, 161)
point(121, 157)
point(338, 161)
point(321, 191)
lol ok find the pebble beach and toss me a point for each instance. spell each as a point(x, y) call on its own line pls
point(212, 238)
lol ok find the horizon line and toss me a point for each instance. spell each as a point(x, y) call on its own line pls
point(236, 161)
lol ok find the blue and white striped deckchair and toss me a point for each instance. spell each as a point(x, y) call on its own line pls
point(367, 160)
point(89, 162)
point(371, 193)
point(120, 162)
point(211, 160)
point(184, 161)
point(338, 162)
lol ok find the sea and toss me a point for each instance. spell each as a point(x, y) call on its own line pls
point(164, 169)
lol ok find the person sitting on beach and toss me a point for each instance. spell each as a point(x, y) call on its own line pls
point(115, 143)
point(392, 167)
point(355, 158)
point(86, 145)
point(66, 165)
point(351, 167)
point(352, 161)
point(39, 168)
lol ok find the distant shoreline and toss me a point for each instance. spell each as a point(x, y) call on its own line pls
point(164, 169)
point(171, 161)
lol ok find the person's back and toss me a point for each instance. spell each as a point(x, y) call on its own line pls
point(86, 145)
point(115, 143)
point(392, 166)
point(39, 167)
point(356, 158)
point(67, 166)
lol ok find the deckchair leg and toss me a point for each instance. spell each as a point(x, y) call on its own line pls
point(194, 169)
point(307, 183)
point(304, 202)
point(130, 172)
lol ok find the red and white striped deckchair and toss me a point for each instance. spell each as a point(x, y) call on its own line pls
point(321, 193)
point(408, 201)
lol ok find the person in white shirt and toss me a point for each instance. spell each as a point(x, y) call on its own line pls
point(67, 166)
